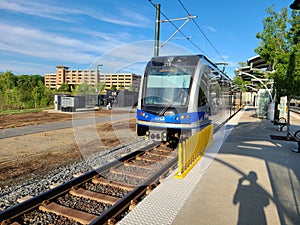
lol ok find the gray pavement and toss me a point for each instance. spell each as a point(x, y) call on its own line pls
point(245, 178)
point(79, 119)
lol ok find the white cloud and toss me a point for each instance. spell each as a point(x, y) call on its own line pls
point(211, 29)
point(19, 67)
point(37, 43)
point(125, 18)
point(139, 19)
point(38, 9)
point(117, 38)
point(133, 57)
point(121, 21)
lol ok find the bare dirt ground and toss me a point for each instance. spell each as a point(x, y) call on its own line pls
point(26, 119)
point(27, 156)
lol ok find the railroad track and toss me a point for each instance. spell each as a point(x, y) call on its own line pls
point(101, 196)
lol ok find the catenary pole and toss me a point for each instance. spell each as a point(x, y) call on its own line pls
point(157, 29)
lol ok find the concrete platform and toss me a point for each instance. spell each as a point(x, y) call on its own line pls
point(245, 178)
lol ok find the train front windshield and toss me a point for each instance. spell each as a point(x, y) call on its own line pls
point(167, 86)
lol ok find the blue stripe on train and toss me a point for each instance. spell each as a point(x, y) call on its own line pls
point(182, 118)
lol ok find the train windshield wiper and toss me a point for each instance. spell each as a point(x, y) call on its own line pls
point(170, 102)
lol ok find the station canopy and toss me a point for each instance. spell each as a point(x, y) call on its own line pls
point(255, 74)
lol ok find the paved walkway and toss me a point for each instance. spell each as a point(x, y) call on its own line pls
point(77, 121)
point(245, 178)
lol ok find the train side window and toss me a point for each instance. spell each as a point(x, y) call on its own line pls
point(202, 98)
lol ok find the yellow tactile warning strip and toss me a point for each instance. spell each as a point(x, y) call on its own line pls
point(94, 196)
point(79, 216)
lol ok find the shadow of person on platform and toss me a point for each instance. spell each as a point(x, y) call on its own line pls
point(252, 199)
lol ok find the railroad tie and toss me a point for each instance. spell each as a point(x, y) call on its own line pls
point(162, 154)
point(153, 160)
point(73, 214)
point(80, 192)
point(129, 173)
point(146, 165)
point(163, 148)
point(101, 180)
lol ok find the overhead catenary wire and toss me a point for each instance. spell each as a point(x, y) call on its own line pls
point(194, 21)
point(187, 37)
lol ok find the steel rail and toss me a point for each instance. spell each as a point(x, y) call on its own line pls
point(17, 210)
point(138, 191)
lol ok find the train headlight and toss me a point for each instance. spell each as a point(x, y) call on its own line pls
point(144, 114)
point(182, 117)
point(164, 137)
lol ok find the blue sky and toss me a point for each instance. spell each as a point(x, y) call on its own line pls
point(38, 35)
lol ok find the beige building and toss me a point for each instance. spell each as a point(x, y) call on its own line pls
point(73, 77)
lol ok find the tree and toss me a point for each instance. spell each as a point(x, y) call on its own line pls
point(101, 87)
point(130, 87)
point(38, 94)
point(280, 46)
point(121, 87)
point(64, 88)
point(22, 91)
point(113, 87)
point(85, 89)
point(238, 80)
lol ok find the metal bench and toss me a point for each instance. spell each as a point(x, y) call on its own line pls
point(281, 122)
point(296, 137)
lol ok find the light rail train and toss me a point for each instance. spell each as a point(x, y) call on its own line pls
point(181, 95)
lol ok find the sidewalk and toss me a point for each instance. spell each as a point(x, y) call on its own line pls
point(247, 178)
point(76, 121)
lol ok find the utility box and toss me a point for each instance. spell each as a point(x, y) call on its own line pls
point(282, 107)
point(126, 98)
point(71, 103)
point(271, 111)
point(68, 104)
point(263, 99)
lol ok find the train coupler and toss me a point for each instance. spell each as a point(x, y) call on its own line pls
point(157, 135)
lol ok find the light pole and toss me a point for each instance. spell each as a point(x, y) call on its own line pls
point(98, 76)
